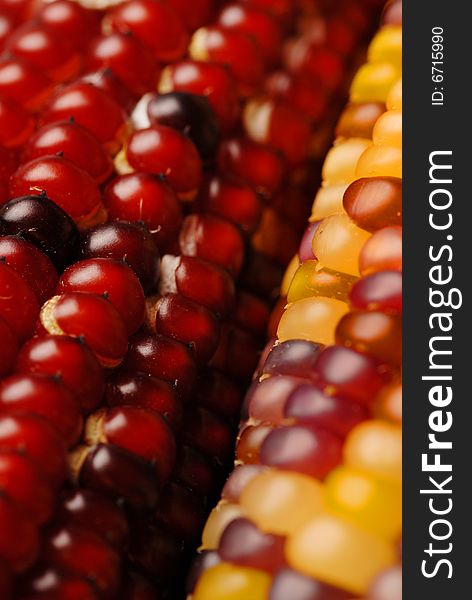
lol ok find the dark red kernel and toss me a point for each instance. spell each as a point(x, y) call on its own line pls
point(121, 475)
point(44, 224)
point(147, 392)
point(129, 242)
point(242, 543)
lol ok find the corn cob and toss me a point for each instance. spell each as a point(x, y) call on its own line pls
point(148, 459)
point(313, 507)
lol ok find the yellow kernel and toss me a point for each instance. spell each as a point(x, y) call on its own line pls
point(289, 274)
point(387, 46)
point(312, 319)
point(328, 201)
point(281, 501)
point(340, 163)
point(337, 244)
point(380, 161)
point(373, 82)
point(394, 100)
point(310, 280)
point(339, 553)
point(388, 129)
point(219, 518)
point(376, 447)
point(373, 504)
point(229, 582)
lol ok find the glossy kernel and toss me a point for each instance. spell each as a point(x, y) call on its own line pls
point(189, 113)
point(75, 143)
point(141, 431)
point(373, 203)
point(220, 517)
point(46, 397)
point(209, 79)
point(90, 317)
point(114, 279)
point(84, 553)
point(371, 504)
point(382, 252)
point(376, 447)
point(337, 244)
point(311, 281)
point(130, 61)
point(155, 24)
point(47, 51)
point(87, 104)
point(302, 449)
point(163, 150)
point(340, 370)
point(358, 119)
point(31, 263)
point(66, 184)
point(14, 293)
point(115, 472)
point(163, 358)
point(338, 553)
point(238, 50)
point(373, 82)
point(380, 161)
point(147, 392)
point(41, 222)
point(71, 361)
point(188, 322)
point(313, 319)
point(24, 83)
point(127, 241)
point(242, 543)
point(310, 405)
point(227, 582)
point(373, 333)
point(340, 162)
point(281, 501)
point(213, 239)
point(292, 584)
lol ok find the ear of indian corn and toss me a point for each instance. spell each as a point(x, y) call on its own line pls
point(157, 166)
point(313, 506)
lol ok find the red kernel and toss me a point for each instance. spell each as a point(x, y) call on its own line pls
point(66, 184)
point(71, 360)
point(18, 303)
point(163, 150)
point(90, 317)
point(147, 198)
point(90, 107)
point(75, 143)
point(156, 24)
point(130, 61)
point(114, 279)
point(25, 486)
point(43, 396)
point(38, 440)
point(213, 239)
point(163, 358)
point(31, 263)
point(19, 539)
point(144, 391)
